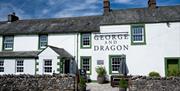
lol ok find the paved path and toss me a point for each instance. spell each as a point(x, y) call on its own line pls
point(100, 87)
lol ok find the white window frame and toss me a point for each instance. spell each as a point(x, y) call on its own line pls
point(41, 41)
point(2, 65)
point(8, 41)
point(49, 66)
point(138, 30)
point(82, 65)
point(121, 57)
point(85, 37)
point(19, 66)
point(135, 32)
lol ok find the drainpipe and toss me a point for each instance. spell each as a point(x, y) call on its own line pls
point(76, 88)
point(77, 50)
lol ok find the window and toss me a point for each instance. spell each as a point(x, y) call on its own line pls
point(138, 35)
point(8, 42)
point(1, 65)
point(115, 62)
point(19, 65)
point(172, 66)
point(86, 64)
point(48, 66)
point(86, 40)
point(43, 41)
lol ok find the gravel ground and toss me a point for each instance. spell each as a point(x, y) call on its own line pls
point(100, 87)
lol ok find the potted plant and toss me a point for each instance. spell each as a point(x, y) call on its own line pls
point(123, 84)
point(82, 84)
point(101, 71)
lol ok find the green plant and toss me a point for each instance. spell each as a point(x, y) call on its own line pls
point(154, 74)
point(101, 71)
point(174, 73)
point(123, 83)
point(82, 82)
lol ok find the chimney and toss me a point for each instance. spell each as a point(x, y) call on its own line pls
point(12, 17)
point(152, 4)
point(106, 7)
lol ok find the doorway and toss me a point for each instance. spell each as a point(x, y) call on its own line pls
point(65, 66)
point(172, 66)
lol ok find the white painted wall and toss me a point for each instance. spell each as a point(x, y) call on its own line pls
point(25, 43)
point(1, 40)
point(10, 66)
point(48, 53)
point(66, 41)
point(161, 41)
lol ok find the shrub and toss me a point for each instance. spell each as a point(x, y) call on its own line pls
point(82, 82)
point(101, 71)
point(154, 74)
point(174, 73)
point(123, 83)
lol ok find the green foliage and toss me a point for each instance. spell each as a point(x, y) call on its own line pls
point(154, 74)
point(174, 73)
point(82, 82)
point(101, 71)
point(123, 83)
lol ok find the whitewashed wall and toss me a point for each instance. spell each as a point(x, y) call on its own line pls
point(1, 40)
point(10, 66)
point(25, 43)
point(66, 41)
point(48, 53)
point(161, 41)
point(30, 42)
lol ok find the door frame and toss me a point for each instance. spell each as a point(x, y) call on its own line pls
point(166, 59)
point(63, 65)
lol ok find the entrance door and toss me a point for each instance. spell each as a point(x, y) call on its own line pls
point(65, 66)
point(172, 67)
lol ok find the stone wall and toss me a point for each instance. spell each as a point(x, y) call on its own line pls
point(37, 83)
point(154, 84)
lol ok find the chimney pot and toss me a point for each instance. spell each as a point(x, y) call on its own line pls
point(106, 6)
point(12, 17)
point(152, 4)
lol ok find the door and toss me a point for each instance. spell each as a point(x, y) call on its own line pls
point(172, 67)
point(64, 66)
point(67, 66)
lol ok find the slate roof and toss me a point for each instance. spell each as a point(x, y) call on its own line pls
point(19, 54)
point(91, 23)
point(46, 26)
point(61, 52)
point(143, 15)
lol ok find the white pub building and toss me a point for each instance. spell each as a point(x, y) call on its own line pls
point(148, 39)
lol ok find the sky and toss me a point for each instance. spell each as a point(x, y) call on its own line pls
point(40, 9)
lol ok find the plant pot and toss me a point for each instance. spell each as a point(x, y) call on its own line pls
point(122, 89)
point(101, 79)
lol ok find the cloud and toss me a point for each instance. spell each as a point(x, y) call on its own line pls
point(123, 1)
point(7, 8)
point(87, 7)
point(33, 9)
